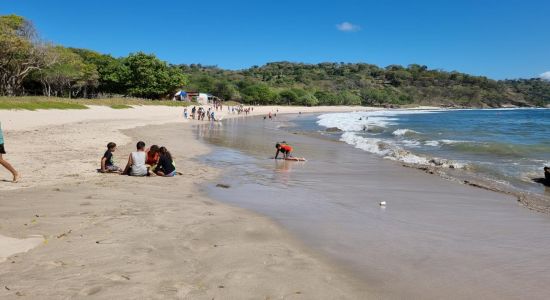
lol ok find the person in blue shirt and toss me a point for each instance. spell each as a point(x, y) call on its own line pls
point(3, 162)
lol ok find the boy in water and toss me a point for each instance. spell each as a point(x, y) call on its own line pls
point(284, 149)
point(107, 163)
point(4, 163)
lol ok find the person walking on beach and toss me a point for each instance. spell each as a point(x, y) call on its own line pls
point(193, 110)
point(3, 162)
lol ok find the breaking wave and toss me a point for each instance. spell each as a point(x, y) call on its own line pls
point(404, 132)
point(357, 125)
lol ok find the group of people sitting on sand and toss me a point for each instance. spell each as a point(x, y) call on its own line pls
point(142, 162)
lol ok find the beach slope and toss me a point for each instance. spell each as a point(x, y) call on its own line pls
point(111, 236)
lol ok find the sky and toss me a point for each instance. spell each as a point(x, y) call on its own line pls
point(499, 39)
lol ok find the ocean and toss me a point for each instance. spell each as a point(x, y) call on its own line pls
point(434, 239)
point(508, 146)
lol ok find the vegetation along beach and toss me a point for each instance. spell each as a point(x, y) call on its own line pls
point(224, 150)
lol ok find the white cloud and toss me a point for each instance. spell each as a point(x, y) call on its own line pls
point(348, 27)
point(545, 75)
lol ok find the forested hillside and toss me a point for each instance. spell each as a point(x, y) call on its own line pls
point(341, 83)
point(30, 66)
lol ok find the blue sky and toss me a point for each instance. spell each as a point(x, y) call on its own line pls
point(498, 39)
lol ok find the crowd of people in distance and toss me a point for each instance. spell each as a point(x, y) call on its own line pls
point(200, 113)
point(240, 110)
point(154, 161)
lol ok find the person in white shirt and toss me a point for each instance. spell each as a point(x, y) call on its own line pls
point(136, 162)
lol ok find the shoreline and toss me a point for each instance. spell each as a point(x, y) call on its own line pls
point(435, 237)
point(115, 236)
point(94, 208)
point(443, 168)
point(532, 201)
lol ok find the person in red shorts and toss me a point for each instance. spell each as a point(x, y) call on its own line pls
point(283, 148)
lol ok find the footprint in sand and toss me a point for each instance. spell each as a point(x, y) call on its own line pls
point(181, 290)
point(90, 291)
point(117, 277)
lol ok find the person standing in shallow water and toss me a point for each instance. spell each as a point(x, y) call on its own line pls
point(3, 162)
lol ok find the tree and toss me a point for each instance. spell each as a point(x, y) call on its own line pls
point(374, 96)
point(148, 77)
point(348, 98)
point(326, 98)
point(20, 53)
point(225, 90)
point(110, 72)
point(260, 93)
point(308, 100)
point(67, 75)
point(202, 83)
point(288, 97)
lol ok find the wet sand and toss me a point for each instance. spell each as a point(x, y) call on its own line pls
point(109, 236)
point(435, 239)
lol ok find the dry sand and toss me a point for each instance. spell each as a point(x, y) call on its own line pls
point(58, 146)
point(116, 236)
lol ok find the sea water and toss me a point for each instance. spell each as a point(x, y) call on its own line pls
point(510, 146)
point(434, 238)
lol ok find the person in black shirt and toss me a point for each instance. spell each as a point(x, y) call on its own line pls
point(107, 164)
point(165, 166)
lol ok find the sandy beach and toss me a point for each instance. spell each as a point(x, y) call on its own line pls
point(116, 236)
point(67, 231)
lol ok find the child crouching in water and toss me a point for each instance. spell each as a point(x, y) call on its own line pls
point(107, 162)
point(165, 166)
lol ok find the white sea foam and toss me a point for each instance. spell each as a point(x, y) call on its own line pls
point(411, 143)
point(387, 150)
point(411, 159)
point(353, 123)
point(402, 132)
point(450, 142)
point(372, 145)
point(431, 143)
